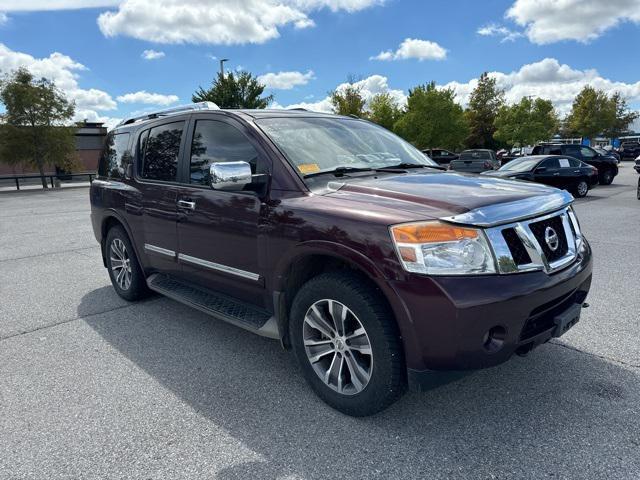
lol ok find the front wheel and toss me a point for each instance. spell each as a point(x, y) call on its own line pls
point(347, 344)
point(606, 178)
point(582, 188)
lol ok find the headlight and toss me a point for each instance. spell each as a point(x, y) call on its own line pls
point(437, 248)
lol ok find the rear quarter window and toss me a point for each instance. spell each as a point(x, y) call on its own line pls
point(115, 156)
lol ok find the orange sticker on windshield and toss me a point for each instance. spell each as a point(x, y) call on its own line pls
point(307, 168)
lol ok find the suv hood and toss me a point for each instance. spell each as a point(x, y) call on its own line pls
point(455, 197)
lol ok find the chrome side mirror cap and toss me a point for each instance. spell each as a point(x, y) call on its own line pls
point(229, 175)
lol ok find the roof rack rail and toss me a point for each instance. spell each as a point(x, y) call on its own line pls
point(191, 107)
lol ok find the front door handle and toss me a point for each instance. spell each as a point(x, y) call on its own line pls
point(556, 174)
point(187, 205)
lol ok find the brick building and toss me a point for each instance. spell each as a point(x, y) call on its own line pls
point(89, 140)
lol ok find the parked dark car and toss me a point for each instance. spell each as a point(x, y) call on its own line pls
point(607, 153)
point(629, 150)
point(607, 165)
point(341, 240)
point(440, 155)
point(475, 161)
point(554, 170)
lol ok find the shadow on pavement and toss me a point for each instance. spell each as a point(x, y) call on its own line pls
point(557, 410)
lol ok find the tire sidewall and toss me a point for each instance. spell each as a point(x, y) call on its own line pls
point(138, 283)
point(577, 189)
point(607, 177)
point(371, 315)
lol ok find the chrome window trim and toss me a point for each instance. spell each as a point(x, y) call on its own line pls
point(162, 251)
point(539, 262)
point(217, 266)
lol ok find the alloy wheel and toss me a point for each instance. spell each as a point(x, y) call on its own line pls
point(120, 264)
point(583, 189)
point(338, 347)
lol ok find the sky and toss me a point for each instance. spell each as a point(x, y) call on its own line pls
point(117, 58)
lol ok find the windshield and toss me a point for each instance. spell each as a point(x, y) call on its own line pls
point(524, 164)
point(316, 145)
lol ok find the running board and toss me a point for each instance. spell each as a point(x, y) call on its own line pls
point(223, 307)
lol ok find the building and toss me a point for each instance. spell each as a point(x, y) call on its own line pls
point(89, 140)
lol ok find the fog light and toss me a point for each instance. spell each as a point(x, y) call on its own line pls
point(494, 339)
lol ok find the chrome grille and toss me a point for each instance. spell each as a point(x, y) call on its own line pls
point(547, 243)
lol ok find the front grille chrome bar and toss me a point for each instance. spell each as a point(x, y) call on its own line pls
point(507, 264)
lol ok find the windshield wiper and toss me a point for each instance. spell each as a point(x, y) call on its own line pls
point(339, 171)
point(406, 166)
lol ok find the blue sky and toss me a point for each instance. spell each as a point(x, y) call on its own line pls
point(535, 47)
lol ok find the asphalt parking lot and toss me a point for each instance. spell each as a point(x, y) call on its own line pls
point(94, 387)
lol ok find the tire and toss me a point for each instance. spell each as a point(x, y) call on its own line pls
point(606, 178)
point(638, 191)
point(352, 394)
point(581, 189)
point(129, 284)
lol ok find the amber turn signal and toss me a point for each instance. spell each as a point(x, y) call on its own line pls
point(431, 232)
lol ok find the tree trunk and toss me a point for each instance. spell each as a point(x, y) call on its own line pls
point(42, 177)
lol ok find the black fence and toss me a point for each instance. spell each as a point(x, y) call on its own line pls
point(51, 177)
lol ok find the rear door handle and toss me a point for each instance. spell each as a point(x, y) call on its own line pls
point(187, 205)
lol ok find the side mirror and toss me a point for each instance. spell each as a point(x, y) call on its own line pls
point(229, 175)
point(129, 172)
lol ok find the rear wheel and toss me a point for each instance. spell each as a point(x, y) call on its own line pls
point(638, 191)
point(124, 270)
point(347, 344)
point(606, 178)
point(582, 188)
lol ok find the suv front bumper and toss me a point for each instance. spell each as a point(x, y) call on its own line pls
point(466, 323)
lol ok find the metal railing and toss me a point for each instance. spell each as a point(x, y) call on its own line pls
point(50, 176)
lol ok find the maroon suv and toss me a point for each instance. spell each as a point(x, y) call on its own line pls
point(347, 244)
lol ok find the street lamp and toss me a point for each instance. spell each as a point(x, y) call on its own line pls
point(222, 66)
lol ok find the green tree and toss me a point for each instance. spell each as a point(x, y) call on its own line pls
point(433, 118)
point(526, 122)
point(348, 100)
point(623, 117)
point(484, 104)
point(591, 113)
point(34, 131)
point(234, 91)
point(384, 110)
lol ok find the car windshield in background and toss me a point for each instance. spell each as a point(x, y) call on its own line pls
point(317, 145)
point(520, 165)
point(475, 156)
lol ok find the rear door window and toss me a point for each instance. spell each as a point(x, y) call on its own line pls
point(551, 164)
point(115, 156)
point(161, 150)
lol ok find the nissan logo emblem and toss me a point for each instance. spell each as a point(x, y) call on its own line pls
point(551, 237)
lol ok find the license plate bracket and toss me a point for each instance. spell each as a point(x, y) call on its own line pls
point(567, 319)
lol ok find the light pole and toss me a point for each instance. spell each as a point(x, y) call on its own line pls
point(222, 60)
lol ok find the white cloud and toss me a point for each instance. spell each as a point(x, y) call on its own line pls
point(34, 5)
point(285, 80)
point(548, 21)
point(3, 18)
point(215, 21)
point(148, 98)
point(414, 48)
point(152, 54)
point(549, 79)
point(62, 70)
point(369, 87)
point(494, 30)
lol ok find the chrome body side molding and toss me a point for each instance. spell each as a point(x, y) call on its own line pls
point(216, 266)
point(159, 250)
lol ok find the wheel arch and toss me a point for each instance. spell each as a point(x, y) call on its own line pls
point(112, 219)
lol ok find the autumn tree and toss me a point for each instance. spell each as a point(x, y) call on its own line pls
point(432, 118)
point(484, 103)
point(591, 113)
point(35, 131)
point(234, 91)
point(622, 116)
